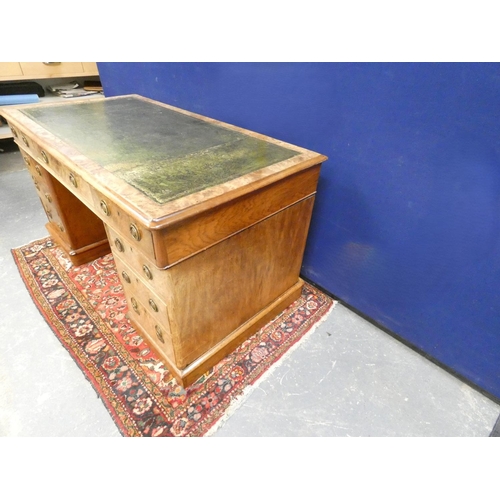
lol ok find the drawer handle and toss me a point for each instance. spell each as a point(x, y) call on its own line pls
point(73, 180)
point(49, 213)
point(153, 305)
point(26, 143)
point(36, 185)
point(134, 231)
point(159, 334)
point(119, 245)
point(48, 197)
point(26, 160)
point(14, 131)
point(105, 208)
point(44, 156)
point(147, 272)
point(61, 228)
point(125, 276)
point(135, 307)
point(38, 171)
point(51, 63)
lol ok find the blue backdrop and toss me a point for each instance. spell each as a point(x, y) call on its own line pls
point(406, 226)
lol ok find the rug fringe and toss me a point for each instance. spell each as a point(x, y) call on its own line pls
point(238, 401)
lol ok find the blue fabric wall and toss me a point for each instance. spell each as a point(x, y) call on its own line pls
point(406, 226)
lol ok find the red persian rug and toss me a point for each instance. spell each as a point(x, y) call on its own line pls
point(85, 307)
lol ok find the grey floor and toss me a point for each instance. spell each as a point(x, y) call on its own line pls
point(348, 378)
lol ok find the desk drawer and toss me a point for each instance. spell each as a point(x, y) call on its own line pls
point(41, 160)
point(152, 301)
point(76, 224)
point(40, 177)
point(151, 330)
point(208, 228)
point(154, 323)
point(132, 232)
point(43, 185)
point(51, 70)
point(141, 264)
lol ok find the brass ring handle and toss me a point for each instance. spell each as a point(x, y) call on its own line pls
point(61, 227)
point(38, 171)
point(44, 156)
point(14, 131)
point(36, 185)
point(26, 143)
point(134, 231)
point(125, 276)
point(159, 333)
point(104, 207)
point(48, 197)
point(49, 213)
point(134, 305)
point(153, 305)
point(147, 272)
point(73, 180)
point(26, 160)
point(119, 245)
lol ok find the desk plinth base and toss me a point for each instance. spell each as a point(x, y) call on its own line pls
point(193, 371)
point(79, 256)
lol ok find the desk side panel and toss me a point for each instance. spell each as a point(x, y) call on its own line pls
point(218, 290)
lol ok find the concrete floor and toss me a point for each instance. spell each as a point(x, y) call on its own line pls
point(346, 379)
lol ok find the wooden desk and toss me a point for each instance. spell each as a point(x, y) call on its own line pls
point(207, 222)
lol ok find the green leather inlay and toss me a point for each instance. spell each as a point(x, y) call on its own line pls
point(163, 153)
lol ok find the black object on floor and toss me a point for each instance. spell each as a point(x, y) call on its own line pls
point(19, 88)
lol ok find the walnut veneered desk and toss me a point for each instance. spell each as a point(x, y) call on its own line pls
point(207, 222)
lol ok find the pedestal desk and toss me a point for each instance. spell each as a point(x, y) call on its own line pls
point(207, 222)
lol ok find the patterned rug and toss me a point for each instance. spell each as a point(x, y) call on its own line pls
point(86, 309)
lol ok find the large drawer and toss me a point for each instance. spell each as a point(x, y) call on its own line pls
point(189, 237)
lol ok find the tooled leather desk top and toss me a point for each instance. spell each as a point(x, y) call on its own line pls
point(163, 153)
